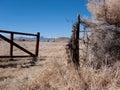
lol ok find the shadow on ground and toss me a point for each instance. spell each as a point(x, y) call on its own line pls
point(18, 63)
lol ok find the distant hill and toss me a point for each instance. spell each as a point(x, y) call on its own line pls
point(62, 39)
point(24, 38)
point(42, 38)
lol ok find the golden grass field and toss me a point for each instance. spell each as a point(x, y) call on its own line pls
point(51, 71)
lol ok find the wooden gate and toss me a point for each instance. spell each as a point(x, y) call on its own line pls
point(12, 43)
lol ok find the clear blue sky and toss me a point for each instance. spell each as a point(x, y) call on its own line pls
point(52, 18)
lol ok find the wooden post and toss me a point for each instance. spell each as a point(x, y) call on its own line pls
point(73, 44)
point(77, 39)
point(11, 45)
point(37, 44)
point(76, 43)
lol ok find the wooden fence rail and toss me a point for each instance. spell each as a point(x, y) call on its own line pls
point(12, 43)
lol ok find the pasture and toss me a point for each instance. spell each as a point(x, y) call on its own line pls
point(52, 72)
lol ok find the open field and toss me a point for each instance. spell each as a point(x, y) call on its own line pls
point(51, 71)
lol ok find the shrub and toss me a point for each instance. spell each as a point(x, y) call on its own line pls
point(104, 45)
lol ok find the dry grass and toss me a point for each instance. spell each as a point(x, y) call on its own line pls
point(52, 72)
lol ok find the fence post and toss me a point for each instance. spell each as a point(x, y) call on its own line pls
point(37, 44)
point(11, 45)
point(73, 44)
point(77, 39)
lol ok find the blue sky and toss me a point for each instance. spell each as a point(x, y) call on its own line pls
point(52, 18)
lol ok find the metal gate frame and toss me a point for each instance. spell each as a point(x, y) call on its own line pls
point(12, 43)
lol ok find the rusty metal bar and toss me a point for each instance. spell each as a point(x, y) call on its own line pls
point(11, 45)
point(5, 31)
point(37, 44)
point(15, 56)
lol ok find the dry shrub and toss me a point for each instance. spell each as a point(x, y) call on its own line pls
point(107, 10)
point(104, 48)
point(105, 45)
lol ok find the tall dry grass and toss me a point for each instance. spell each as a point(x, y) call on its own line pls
point(52, 72)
